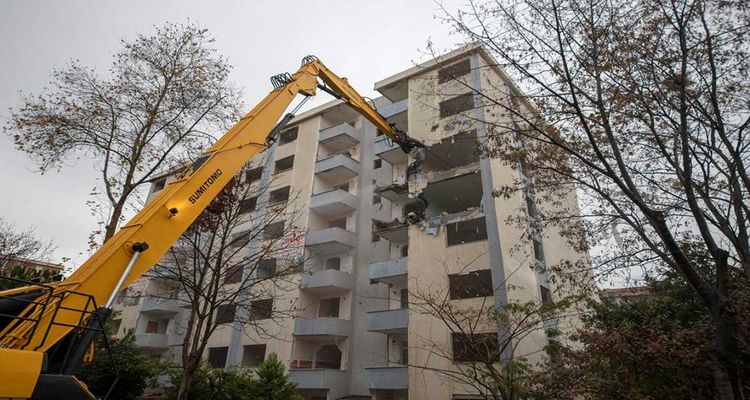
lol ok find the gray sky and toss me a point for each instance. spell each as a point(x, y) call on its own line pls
point(362, 40)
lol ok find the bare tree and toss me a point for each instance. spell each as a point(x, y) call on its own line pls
point(241, 254)
point(163, 95)
point(642, 106)
point(19, 245)
point(480, 357)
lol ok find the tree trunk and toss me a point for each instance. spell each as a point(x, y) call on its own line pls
point(111, 227)
point(727, 375)
point(187, 377)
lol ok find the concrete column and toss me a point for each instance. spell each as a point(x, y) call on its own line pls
point(488, 204)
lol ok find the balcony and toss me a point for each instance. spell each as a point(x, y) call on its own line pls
point(338, 168)
point(333, 203)
point(395, 231)
point(329, 281)
point(394, 192)
point(159, 306)
point(394, 108)
point(387, 378)
point(332, 379)
point(390, 271)
point(389, 151)
point(339, 137)
point(388, 321)
point(322, 327)
point(151, 340)
point(330, 241)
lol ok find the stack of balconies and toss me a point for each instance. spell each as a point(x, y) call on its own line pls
point(318, 361)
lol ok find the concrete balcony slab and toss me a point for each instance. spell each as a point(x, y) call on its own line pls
point(388, 321)
point(393, 272)
point(329, 281)
point(387, 378)
point(393, 192)
point(338, 168)
point(339, 137)
point(323, 328)
point(330, 241)
point(389, 151)
point(151, 340)
point(334, 203)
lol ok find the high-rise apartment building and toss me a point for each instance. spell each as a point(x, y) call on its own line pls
point(382, 231)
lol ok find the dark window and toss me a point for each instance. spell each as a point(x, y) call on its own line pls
point(266, 268)
point(279, 195)
point(248, 205)
point(329, 308)
point(253, 175)
point(159, 185)
point(234, 274)
point(217, 356)
point(274, 231)
point(546, 294)
point(284, 164)
point(472, 284)
point(288, 135)
point(343, 186)
point(261, 309)
point(253, 355)
point(375, 237)
point(240, 239)
point(225, 314)
point(466, 231)
point(404, 251)
point(116, 325)
point(328, 357)
point(337, 223)
point(479, 347)
point(456, 105)
point(376, 199)
point(152, 327)
point(377, 163)
point(404, 297)
point(333, 263)
point(404, 353)
point(453, 71)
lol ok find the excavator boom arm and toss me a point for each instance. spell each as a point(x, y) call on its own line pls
point(166, 217)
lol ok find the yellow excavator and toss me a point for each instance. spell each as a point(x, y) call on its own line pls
point(46, 330)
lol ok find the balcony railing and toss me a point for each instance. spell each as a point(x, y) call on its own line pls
point(393, 272)
point(329, 281)
point(333, 203)
point(388, 321)
point(323, 327)
point(394, 378)
point(330, 241)
point(337, 169)
point(151, 340)
point(339, 137)
point(331, 379)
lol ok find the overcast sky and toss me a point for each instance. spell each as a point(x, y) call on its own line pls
point(362, 40)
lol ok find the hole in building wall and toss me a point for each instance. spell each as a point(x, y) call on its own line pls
point(452, 152)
